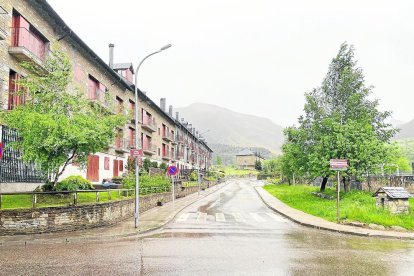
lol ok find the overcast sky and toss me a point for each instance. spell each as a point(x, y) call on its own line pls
point(252, 56)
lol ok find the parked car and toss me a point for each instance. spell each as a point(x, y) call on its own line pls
point(108, 184)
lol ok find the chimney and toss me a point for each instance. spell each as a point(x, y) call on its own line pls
point(170, 110)
point(177, 116)
point(111, 55)
point(163, 104)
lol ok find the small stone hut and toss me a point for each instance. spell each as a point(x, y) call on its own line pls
point(394, 199)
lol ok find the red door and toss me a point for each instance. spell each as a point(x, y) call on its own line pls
point(116, 167)
point(93, 168)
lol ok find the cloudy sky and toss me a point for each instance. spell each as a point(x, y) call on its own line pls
point(252, 56)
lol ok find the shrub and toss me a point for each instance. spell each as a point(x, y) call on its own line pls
point(146, 181)
point(154, 164)
point(117, 179)
point(193, 176)
point(163, 166)
point(72, 183)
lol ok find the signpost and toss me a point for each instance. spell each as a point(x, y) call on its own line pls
point(338, 165)
point(172, 171)
point(136, 153)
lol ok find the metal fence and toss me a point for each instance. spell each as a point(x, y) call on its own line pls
point(12, 168)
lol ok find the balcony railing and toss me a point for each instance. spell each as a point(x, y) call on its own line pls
point(167, 155)
point(149, 148)
point(22, 38)
point(122, 145)
point(149, 124)
point(169, 137)
point(3, 16)
point(102, 98)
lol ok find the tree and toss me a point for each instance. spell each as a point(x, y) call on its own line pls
point(258, 165)
point(57, 123)
point(219, 161)
point(340, 122)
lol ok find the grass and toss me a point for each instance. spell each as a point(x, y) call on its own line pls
point(357, 206)
point(190, 183)
point(236, 172)
point(25, 201)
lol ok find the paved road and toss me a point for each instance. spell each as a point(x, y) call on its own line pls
point(230, 232)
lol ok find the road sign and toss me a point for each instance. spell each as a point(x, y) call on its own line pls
point(140, 162)
point(1, 150)
point(136, 153)
point(338, 164)
point(172, 170)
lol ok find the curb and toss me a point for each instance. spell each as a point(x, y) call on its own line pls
point(137, 234)
point(344, 231)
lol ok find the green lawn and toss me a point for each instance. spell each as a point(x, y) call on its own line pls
point(229, 171)
point(354, 206)
point(25, 201)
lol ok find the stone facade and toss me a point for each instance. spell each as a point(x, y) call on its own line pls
point(71, 218)
point(395, 206)
point(87, 65)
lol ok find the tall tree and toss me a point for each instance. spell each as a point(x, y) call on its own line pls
point(57, 123)
point(340, 121)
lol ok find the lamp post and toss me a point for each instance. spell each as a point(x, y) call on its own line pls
point(198, 162)
point(136, 214)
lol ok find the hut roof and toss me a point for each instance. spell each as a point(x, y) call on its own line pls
point(394, 192)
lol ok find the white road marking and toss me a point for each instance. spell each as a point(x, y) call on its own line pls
point(220, 217)
point(202, 217)
point(238, 217)
point(276, 217)
point(257, 218)
point(183, 217)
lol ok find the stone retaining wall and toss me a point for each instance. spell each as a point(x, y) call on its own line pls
point(71, 218)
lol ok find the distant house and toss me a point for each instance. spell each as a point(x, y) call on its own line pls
point(246, 159)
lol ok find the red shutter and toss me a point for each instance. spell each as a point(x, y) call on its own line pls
point(93, 168)
point(116, 168)
point(121, 165)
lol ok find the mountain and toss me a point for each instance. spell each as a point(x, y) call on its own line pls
point(406, 130)
point(227, 127)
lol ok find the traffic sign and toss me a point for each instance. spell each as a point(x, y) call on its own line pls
point(172, 170)
point(136, 153)
point(338, 164)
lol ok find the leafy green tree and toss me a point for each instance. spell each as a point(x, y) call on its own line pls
point(219, 161)
point(58, 123)
point(340, 122)
point(258, 165)
point(146, 164)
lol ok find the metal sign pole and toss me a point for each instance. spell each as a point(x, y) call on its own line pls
point(173, 191)
point(337, 200)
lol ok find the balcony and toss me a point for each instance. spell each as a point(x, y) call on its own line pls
point(149, 124)
point(167, 155)
point(122, 145)
point(26, 46)
point(169, 137)
point(3, 30)
point(101, 98)
point(149, 148)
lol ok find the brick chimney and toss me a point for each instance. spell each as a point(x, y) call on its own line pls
point(170, 111)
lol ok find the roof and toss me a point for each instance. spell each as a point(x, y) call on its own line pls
point(245, 152)
point(394, 192)
point(123, 66)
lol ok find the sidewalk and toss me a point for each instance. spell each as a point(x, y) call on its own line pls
point(319, 223)
point(149, 221)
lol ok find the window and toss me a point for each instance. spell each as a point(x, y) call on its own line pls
point(16, 94)
point(106, 163)
point(23, 34)
point(120, 104)
point(96, 89)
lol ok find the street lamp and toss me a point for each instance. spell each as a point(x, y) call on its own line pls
point(198, 162)
point(136, 213)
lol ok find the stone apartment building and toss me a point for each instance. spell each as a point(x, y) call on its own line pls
point(28, 28)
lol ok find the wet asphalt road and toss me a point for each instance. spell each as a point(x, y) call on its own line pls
point(230, 232)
